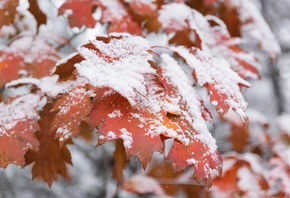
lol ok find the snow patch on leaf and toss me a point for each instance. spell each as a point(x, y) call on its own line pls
point(283, 122)
point(179, 79)
point(19, 110)
point(115, 113)
point(119, 64)
point(174, 15)
point(113, 10)
point(127, 138)
point(255, 25)
point(217, 76)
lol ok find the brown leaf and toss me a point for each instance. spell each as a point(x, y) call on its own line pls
point(239, 138)
point(50, 160)
point(120, 161)
point(36, 12)
point(8, 11)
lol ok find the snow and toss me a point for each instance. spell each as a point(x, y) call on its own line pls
point(174, 15)
point(127, 138)
point(49, 84)
point(215, 40)
point(65, 133)
point(247, 181)
point(33, 49)
point(214, 103)
point(114, 10)
point(20, 109)
point(7, 30)
point(110, 136)
point(191, 161)
point(115, 113)
point(2, 4)
point(283, 122)
point(149, 3)
point(255, 25)
point(123, 71)
point(193, 115)
point(217, 72)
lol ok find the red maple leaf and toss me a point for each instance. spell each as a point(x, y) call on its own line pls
point(222, 83)
point(71, 109)
point(79, 12)
point(113, 12)
point(18, 122)
point(27, 56)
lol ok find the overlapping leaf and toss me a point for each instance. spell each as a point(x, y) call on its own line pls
point(133, 104)
point(50, 159)
point(241, 18)
point(222, 83)
point(214, 39)
point(142, 8)
point(253, 23)
point(200, 150)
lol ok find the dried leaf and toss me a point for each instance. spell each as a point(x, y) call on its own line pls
point(50, 160)
point(36, 12)
point(120, 161)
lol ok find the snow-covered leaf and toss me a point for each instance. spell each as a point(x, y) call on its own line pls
point(27, 56)
point(18, 123)
point(215, 39)
point(222, 83)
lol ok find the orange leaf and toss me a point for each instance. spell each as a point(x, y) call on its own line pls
point(71, 109)
point(243, 175)
point(79, 12)
point(134, 105)
point(18, 122)
point(222, 83)
point(210, 34)
point(27, 56)
point(8, 11)
point(194, 144)
point(10, 65)
point(118, 16)
point(118, 120)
